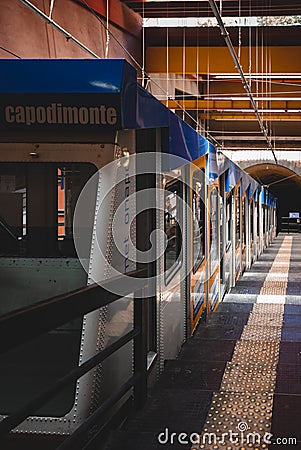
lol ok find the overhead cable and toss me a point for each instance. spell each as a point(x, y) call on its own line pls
point(11, 53)
point(246, 86)
point(67, 35)
point(70, 37)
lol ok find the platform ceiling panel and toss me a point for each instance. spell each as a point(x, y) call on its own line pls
point(268, 55)
point(202, 8)
point(203, 36)
point(282, 60)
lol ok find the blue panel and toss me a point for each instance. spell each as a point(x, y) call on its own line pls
point(223, 164)
point(212, 163)
point(235, 173)
point(101, 76)
point(227, 181)
point(256, 195)
point(249, 192)
point(253, 189)
point(262, 196)
point(245, 182)
point(184, 141)
point(197, 145)
point(142, 110)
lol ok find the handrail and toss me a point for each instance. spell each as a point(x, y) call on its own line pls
point(74, 441)
point(51, 313)
point(59, 310)
point(6, 227)
point(10, 422)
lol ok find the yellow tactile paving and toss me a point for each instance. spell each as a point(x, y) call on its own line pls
point(247, 377)
point(258, 319)
point(232, 418)
point(256, 352)
point(261, 333)
point(244, 404)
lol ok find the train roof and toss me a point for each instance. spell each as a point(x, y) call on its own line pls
point(49, 85)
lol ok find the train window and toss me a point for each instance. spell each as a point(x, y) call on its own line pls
point(198, 211)
point(243, 222)
point(252, 222)
point(228, 218)
point(237, 234)
point(214, 208)
point(37, 203)
point(172, 261)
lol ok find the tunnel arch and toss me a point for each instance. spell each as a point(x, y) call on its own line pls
point(283, 180)
point(292, 166)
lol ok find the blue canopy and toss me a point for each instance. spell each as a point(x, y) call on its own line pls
point(79, 99)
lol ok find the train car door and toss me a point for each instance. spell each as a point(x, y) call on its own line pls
point(244, 235)
point(251, 233)
point(213, 255)
point(171, 300)
point(225, 248)
point(197, 285)
point(229, 252)
point(237, 233)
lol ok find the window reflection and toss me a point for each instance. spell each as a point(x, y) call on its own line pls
point(213, 229)
point(172, 229)
point(237, 234)
point(198, 211)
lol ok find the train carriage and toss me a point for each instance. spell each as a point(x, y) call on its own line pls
point(79, 141)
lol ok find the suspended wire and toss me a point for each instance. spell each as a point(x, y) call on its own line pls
point(141, 68)
point(50, 21)
point(107, 32)
point(9, 52)
point(260, 80)
point(283, 179)
point(198, 126)
point(51, 8)
point(111, 34)
point(269, 85)
point(256, 60)
point(184, 68)
point(207, 117)
point(70, 37)
point(250, 49)
point(145, 85)
point(167, 66)
point(239, 94)
point(239, 32)
point(243, 78)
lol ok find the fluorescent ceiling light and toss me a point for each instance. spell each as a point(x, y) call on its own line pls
point(245, 21)
point(257, 99)
point(252, 110)
point(267, 76)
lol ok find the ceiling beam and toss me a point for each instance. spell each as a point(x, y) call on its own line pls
point(278, 60)
point(287, 106)
point(201, 8)
point(280, 117)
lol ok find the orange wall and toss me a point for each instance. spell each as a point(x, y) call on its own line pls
point(29, 36)
point(119, 14)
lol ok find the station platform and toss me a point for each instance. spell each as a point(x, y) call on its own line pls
point(236, 383)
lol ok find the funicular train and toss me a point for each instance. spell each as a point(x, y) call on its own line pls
point(74, 136)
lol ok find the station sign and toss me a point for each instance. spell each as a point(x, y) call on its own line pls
point(24, 115)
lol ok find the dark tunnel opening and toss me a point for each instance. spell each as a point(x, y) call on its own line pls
point(284, 183)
